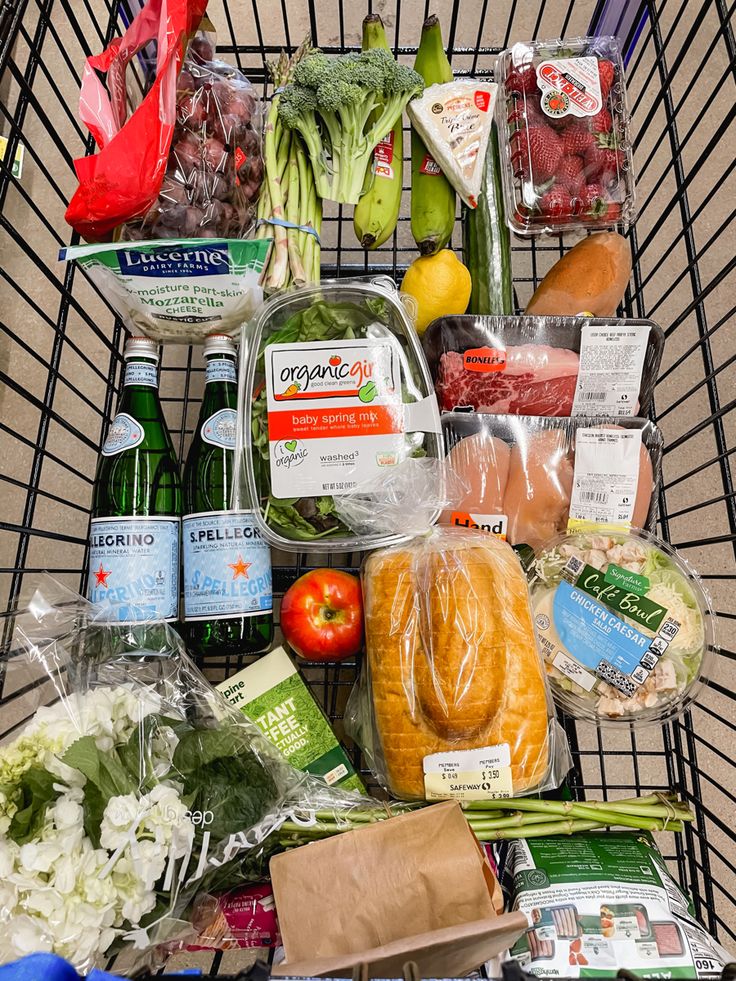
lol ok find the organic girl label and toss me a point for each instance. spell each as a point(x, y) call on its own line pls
point(335, 415)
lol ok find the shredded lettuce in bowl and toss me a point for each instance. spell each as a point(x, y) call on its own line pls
point(675, 678)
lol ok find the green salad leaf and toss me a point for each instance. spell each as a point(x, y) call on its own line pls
point(222, 774)
point(35, 793)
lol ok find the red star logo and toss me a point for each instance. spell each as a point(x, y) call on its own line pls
point(240, 568)
point(101, 576)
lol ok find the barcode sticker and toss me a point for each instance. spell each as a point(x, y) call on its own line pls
point(611, 365)
point(606, 476)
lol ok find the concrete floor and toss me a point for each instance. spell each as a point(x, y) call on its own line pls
point(696, 68)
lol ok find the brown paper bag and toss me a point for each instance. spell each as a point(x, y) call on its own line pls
point(417, 887)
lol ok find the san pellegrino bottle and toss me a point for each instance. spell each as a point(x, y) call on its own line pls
point(136, 508)
point(227, 566)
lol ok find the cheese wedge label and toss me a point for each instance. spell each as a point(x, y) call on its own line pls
point(469, 774)
point(454, 120)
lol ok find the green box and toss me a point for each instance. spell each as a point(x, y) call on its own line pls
point(271, 693)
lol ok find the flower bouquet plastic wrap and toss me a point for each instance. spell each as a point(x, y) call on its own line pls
point(133, 789)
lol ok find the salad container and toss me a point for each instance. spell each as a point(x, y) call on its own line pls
point(564, 140)
point(339, 426)
point(626, 627)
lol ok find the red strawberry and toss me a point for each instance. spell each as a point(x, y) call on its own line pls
point(576, 139)
point(556, 204)
point(570, 174)
point(595, 204)
point(591, 199)
point(601, 122)
point(525, 112)
point(522, 79)
point(606, 73)
point(603, 163)
point(536, 153)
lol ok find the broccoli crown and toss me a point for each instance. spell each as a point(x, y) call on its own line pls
point(296, 101)
point(345, 79)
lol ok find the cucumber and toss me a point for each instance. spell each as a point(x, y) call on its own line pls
point(487, 244)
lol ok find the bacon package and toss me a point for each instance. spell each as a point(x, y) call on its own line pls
point(526, 479)
point(543, 366)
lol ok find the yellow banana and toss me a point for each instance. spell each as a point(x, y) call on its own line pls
point(432, 195)
point(377, 212)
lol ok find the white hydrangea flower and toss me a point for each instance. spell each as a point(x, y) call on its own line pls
point(58, 892)
point(109, 714)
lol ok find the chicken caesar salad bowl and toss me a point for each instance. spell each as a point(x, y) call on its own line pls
point(626, 627)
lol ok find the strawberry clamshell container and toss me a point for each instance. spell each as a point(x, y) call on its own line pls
point(564, 139)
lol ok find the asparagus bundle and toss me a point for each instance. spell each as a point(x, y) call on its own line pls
point(522, 817)
point(288, 194)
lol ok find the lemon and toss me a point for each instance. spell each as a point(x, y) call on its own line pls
point(440, 284)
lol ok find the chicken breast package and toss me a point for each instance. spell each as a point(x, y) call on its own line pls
point(544, 366)
point(525, 479)
point(626, 627)
point(453, 702)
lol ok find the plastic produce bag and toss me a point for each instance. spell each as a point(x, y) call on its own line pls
point(453, 702)
point(527, 477)
point(138, 789)
point(625, 624)
point(123, 180)
point(544, 366)
point(214, 169)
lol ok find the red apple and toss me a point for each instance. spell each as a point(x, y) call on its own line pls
point(322, 615)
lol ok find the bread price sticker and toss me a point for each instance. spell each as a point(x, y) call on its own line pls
point(469, 774)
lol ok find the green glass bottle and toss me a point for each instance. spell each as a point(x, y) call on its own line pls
point(227, 566)
point(136, 507)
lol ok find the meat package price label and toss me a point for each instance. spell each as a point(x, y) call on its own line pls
point(469, 774)
point(611, 366)
point(606, 477)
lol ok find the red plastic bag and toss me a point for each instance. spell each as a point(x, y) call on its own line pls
point(123, 180)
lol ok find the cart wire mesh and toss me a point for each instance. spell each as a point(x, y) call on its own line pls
point(61, 344)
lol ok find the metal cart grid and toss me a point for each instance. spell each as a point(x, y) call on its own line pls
point(60, 345)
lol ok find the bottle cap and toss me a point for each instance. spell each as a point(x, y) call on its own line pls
point(219, 344)
point(141, 347)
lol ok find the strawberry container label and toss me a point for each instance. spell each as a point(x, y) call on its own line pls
point(570, 87)
point(335, 415)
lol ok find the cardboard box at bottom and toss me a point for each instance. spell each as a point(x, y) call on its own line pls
point(414, 888)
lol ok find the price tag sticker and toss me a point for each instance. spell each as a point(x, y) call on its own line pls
point(611, 367)
point(469, 774)
point(606, 477)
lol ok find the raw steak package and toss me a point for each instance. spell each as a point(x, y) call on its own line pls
point(526, 478)
point(601, 901)
point(544, 366)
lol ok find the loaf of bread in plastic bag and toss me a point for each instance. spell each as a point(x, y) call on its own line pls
point(452, 657)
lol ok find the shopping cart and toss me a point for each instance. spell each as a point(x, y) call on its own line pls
point(60, 343)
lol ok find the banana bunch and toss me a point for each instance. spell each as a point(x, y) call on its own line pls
point(432, 196)
point(377, 212)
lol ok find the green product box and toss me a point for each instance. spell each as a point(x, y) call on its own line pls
point(271, 693)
